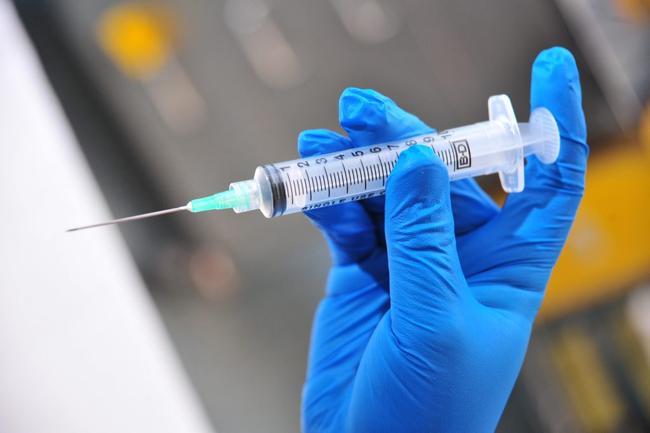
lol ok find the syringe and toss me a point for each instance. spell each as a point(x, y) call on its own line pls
point(494, 146)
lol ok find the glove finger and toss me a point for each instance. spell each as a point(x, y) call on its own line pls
point(349, 231)
point(556, 86)
point(371, 118)
point(553, 191)
point(425, 275)
point(534, 224)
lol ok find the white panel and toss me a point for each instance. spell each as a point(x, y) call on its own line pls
point(82, 347)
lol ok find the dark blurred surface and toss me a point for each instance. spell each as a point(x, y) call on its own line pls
point(237, 292)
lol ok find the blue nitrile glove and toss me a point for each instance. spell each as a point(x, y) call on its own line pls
point(430, 302)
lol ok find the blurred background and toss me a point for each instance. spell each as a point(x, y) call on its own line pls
point(174, 99)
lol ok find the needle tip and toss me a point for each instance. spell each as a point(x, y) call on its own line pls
point(131, 218)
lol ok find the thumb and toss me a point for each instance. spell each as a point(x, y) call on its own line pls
point(426, 279)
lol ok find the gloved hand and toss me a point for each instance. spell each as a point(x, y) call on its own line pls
point(430, 302)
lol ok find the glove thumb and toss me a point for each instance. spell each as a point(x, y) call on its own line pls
point(426, 279)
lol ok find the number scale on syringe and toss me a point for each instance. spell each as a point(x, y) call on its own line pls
point(361, 173)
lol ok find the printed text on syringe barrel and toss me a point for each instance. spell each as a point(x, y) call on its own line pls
point(360, 173)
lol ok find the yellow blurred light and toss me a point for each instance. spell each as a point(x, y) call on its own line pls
point(137, 37)
point(608, 249)
point(637, 10)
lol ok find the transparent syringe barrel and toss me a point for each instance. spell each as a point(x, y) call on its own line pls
point(360, 173)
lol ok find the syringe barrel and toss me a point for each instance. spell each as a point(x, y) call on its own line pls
point(360, 173)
